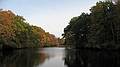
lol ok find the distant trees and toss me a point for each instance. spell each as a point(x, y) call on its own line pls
point(15, 32)
point(100, 28)
point(46, 39)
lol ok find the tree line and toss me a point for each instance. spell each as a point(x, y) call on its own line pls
point(15, 32)
point(98, 29)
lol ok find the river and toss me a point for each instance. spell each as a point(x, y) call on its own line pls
point(59, 57)
point(42, 57)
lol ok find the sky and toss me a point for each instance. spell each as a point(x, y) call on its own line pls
point(52, 15)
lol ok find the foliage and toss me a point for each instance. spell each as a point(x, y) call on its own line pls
point(99, 29)
point(15, 32)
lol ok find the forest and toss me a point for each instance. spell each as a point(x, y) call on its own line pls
point(16, 32)
point(98, 29)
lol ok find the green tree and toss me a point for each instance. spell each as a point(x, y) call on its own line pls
point(99, 29)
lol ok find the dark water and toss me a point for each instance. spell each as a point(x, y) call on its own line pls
point(59, 57)
point(43, 57)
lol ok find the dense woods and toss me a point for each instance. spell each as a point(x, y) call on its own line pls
point(98, 29)
point(15, 32)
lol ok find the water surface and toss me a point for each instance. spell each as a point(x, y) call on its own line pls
point(59, 57)
point(42, 57)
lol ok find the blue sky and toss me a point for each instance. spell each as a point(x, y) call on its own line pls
point(52, 15)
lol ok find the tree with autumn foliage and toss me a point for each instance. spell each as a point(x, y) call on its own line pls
point(15, 32)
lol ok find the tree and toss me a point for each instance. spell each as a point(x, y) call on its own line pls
point(15, 32)
point(99, 29)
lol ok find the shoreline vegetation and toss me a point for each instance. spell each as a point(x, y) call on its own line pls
point(99, 29)
point(17, 33)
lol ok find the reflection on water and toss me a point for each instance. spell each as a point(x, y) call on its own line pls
point(89, 58)
point(59, 57)
point(43, 57)
point(19, 58)
point(54, 57)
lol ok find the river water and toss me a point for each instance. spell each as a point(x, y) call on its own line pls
point(59, 57)
point(42, 57)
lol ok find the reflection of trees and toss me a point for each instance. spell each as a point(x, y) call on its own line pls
point(42, 57)
point(20, 58)
point(88, 58)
